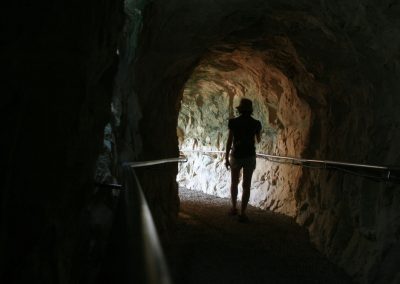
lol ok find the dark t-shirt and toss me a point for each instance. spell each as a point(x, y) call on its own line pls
point(244, 129)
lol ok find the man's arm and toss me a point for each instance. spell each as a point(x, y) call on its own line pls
point(228, 149)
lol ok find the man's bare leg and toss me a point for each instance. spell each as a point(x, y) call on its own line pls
point(234, 187)
point(247, 175)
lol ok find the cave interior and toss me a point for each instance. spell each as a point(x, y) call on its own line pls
point(91, 86)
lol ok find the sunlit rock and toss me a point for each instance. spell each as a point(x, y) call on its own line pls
point(209, 100)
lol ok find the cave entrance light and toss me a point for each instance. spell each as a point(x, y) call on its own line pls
point(209, 98)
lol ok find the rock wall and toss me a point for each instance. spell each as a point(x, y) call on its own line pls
point(210, 98)
point(59, 61)
point(340, 60)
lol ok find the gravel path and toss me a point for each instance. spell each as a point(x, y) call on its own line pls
point(211, 247)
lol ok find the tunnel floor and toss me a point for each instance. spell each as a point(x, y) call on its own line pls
point(209, 246)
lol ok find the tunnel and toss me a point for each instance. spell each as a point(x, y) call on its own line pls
point(209, 100)
point(91, 86)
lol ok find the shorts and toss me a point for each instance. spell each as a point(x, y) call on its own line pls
point(248, 163)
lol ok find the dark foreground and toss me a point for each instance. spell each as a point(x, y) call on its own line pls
point(211, 247)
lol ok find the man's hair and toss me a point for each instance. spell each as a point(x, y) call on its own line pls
point(245, 106)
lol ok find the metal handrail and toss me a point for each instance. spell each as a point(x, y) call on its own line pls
point(155, 264)
point(138, 164)
point(109, 185)
point(143, 248)
point(326, 164)
point(293, 159)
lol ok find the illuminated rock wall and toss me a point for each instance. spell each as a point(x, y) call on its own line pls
point(209, 100)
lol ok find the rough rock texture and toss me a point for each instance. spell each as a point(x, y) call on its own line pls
point(210, 98)
point(59, 61)
point(143, 122)
point(341, 60)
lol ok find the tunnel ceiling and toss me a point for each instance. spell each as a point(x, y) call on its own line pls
point(186, 31)
point(309, 43)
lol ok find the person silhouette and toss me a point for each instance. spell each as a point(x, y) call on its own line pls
point(244, 130)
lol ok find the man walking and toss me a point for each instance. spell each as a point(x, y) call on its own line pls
point(243, 132)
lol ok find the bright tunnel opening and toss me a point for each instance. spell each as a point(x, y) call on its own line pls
point(221, 79)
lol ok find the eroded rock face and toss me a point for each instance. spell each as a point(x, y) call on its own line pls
point(337, 62)
point(209, 100)
point(341, 62)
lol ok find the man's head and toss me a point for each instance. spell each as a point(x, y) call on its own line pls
point(245, 106)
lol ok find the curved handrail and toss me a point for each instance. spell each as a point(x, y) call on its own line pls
point(266, 156)
point(324, 164)
point(144, 250)
point(155, 265)
point(138, 164)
